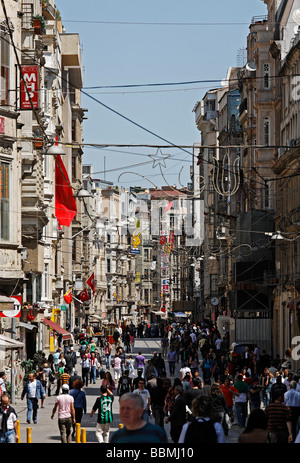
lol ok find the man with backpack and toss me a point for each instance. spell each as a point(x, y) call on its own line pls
point(202, 429)
point(125, 384)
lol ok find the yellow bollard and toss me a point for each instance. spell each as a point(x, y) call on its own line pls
point(83, 436)
point(77, 433)
point(28, 435)
point(18, 441)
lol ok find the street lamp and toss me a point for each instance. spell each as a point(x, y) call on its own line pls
point(54, 150)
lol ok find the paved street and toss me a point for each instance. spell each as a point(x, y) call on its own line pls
point(46, 430)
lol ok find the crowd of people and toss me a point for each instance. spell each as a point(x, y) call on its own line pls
point(214, 390)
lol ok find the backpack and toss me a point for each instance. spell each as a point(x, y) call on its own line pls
point(201, 432)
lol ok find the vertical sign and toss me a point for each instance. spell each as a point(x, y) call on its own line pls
point(31, 78)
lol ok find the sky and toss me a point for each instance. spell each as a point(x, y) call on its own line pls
point(131, 45)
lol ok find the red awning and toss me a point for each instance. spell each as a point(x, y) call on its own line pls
point(293, 303)
point(54, 326)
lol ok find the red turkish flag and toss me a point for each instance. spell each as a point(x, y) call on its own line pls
point(91, 282)
point(65, 204)
point(84, 296)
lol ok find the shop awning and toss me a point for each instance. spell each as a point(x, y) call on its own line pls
point(55, 327)
point(27, 326)
point(9, 343)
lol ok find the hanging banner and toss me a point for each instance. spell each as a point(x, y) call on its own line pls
point(30, 89)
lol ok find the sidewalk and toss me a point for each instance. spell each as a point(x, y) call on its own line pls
point(46, 430)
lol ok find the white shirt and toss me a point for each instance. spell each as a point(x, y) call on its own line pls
point(10, 422)
point(31, 389)
point(145, 394)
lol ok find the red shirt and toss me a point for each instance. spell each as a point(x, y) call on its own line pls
point(228, 395)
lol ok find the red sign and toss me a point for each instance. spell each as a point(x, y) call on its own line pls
point(30, 91)
point(16, 311)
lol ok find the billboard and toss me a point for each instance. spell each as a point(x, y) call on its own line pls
point(30, 88)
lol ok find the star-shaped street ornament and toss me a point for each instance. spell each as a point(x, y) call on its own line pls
point(159, 159)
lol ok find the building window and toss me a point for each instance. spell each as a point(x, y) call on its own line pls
point(266, 76)
point(5, 64)
point(266, 131)
point(4, 201)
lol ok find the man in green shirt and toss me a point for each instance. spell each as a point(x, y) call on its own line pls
point(104, 406)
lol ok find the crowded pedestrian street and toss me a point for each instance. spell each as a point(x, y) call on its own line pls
point(47, 431)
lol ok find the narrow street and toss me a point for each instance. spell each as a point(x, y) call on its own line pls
point(46, 431)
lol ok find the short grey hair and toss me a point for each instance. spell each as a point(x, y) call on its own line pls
point(136, 397)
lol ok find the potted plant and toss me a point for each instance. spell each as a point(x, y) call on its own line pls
point(39, 24)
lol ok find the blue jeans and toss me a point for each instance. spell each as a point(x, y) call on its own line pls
point(107, 360)
point(32, 408)
point(241, 413)
point(8, 437)
point(93, 374)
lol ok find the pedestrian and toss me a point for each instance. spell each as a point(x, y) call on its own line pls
point(74, 378)
point(268, 381)
point(219, 405)
point(254, 394)
point(94, 368)
point(157, 395)
point(279, 419)
point(135, 429)
point(56, 359)
point(79, 397)
point(104, 406)
point(140, 362)
point(107, 354)
point(202, 429)
point(34, 391)
point(150, 371)
point(3, 379)
point(241, 401)
point(85, 369)
point(109, 382)
point(66, 414)
point(117, 362)
point(292, 400)
point(131, 341)
point(125, 384)
point(190, 395)
point(206, 368)
point(177, 416)
point(48, 378)
point(8, 422)
point(164, 345)
point(172, 356)
point(129, 365)
point(229, 392)
point(256, 430)
point(145, 394)
point(64, 378)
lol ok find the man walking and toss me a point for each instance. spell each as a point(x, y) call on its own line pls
point(145, 394)
point(85, 369)
point(292, 400)
point(104, 406)
point(8, 422)
point(34, 391)
point(66, 414)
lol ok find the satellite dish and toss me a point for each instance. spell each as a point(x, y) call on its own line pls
point(251, 66)
point(296, 16)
